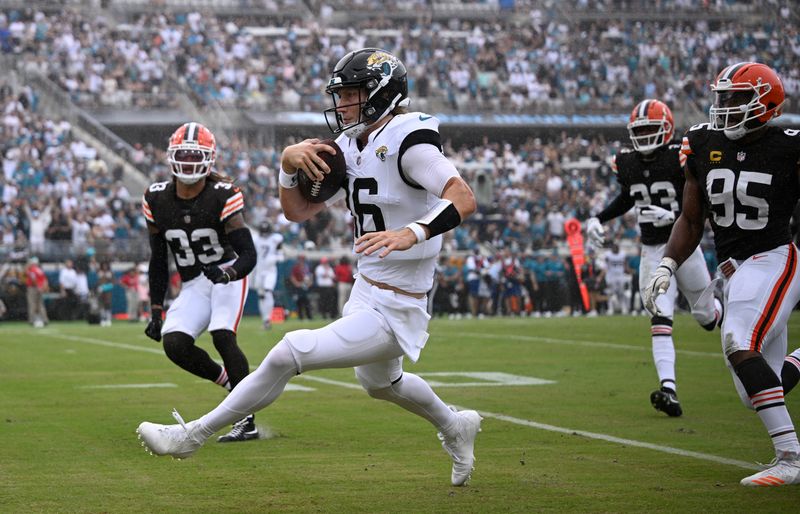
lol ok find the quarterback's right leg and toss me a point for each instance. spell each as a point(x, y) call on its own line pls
point(386, 380)
point(665, 398)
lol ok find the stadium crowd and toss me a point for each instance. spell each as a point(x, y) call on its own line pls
point(507, 64)
point(60, 201)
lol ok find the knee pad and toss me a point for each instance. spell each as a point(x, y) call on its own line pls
point(176, 345)
point(281, 357)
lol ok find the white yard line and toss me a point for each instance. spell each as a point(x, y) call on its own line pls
point(577, 342)
point(619, 440)
point(500, 417)
point(129, 386)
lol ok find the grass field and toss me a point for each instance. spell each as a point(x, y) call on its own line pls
point(587, 440)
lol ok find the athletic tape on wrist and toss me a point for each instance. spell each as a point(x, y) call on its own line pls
point(287, 180)
point(418, 231)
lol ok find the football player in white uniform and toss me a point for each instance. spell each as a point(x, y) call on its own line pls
point(268, 247)
point(616, 280)
point(403, 194)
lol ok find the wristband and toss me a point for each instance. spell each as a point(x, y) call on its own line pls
point(418, 231)
point(287, 180)
point(669, 263)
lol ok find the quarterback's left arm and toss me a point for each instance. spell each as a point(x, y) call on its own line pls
point(426, 166)
point(242, 242)
point(301, 158)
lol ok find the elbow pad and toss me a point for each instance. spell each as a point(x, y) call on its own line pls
point(242, 243)
point(158, 273)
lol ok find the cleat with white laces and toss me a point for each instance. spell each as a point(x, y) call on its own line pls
point(666, 401)
point(461, 446)
point(783, 471)
point(178, 441)
point(243, 430)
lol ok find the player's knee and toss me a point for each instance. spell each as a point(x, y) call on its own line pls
point(281, 357)
point(378, 387)
point(223, 339)
point(177, 345)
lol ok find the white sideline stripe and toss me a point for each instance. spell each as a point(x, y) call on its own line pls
point(128, 386)
point(595, 344)
point(619, 440)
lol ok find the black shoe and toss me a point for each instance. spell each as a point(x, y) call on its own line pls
point(243, 430)
point(666, 401)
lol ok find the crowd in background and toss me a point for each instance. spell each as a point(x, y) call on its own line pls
point(541, 62)
point(59, 201)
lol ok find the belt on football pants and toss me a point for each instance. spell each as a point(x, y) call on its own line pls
point(387, 287)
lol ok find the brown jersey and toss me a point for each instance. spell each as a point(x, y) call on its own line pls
point(750, 189)
point(194, 228)
point(655, 179)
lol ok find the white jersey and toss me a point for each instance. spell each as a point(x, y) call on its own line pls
point(268, 249)
point(615, 265)
point(380, 197)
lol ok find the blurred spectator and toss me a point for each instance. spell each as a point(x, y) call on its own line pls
point(325, 279)
point(36, 286)
point(105, 286)
point(301, 280)
point(343, 272)
point(130, 283)
point(68, 287)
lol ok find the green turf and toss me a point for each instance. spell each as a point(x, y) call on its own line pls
point(68, 446)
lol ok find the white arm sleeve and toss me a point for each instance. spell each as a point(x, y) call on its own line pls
point(425, 165)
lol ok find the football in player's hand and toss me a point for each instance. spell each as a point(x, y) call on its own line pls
point(318, 191)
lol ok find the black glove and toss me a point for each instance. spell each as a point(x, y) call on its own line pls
point(153, 329)
point(216, 274)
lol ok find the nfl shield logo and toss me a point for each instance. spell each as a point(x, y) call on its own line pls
point(740, 156)
point(187, 219)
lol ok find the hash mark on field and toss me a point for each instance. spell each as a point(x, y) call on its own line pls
point(128, 386)
point(619, 440)
point(578, 342)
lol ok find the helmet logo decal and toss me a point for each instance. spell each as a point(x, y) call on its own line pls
point(382, 61)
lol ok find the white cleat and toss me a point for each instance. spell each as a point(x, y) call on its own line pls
point(785, 471)
point(179, 441)
point(461, 447)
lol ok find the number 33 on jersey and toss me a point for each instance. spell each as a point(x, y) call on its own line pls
point(749, 189)
point(194, 228)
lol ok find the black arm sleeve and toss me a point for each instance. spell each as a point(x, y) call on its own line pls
point(242, 243)
point(158, 273)
point(618, 206)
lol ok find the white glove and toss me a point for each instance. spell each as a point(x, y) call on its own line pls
point(659, 283)
point(656, 215)
point(595, 231)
